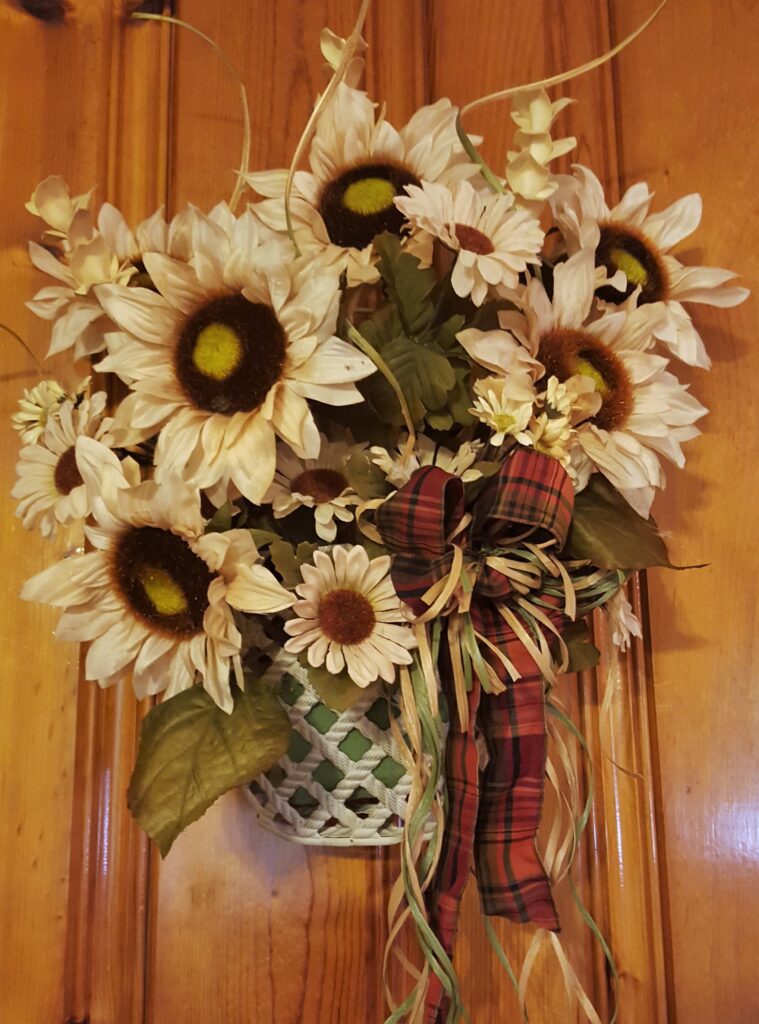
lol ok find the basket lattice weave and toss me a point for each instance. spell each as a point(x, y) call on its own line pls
point(341, 782)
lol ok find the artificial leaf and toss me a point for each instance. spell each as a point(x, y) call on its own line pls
point(583, 654)
point(191, 752)
point(221, 520)
point(263, 538)
point(287, 559)
point(407, 283)
point(446, 334)
point(364, 477)
point(382, 326)
point(459, 399)
point(338, 692)
point(610, 534)
point(440, 420)
point(424, 376)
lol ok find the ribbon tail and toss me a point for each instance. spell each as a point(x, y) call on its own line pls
point(511, 878)
point(454, 868)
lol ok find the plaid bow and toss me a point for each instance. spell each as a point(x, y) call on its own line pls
point(493, 813)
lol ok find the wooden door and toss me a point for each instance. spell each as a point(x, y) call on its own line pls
point(237, 925)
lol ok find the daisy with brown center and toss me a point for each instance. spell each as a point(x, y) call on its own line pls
point(493, 240)
point(319, 484)
point(644, 411)
point(49, 489)
point(152, 597)
point(359, 164)
point(91, 252)
point(629, 239)
point(349, 617)
point(225, 356)
point(400, 465)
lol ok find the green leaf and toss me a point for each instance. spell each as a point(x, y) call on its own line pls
point(338, 692)
point(425, 376)
point(460, 399)
point(583, 653)
point(446, 334)
point(364, 477)
point(408, 285)
point(221, 521)
point(288, 559)
point(610, 534)
point(263, 538)
point(191, 752)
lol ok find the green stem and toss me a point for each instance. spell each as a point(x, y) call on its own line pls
point(360, 342)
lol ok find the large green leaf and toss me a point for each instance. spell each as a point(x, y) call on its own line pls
point(191, 752)
point(288, 559)
point(583, 654)
point(611, 534)
point(408, 285)
point(366, 479)
point(424, 376)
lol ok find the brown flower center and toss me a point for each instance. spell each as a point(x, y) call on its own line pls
point(358, 204)
point(565, 352)
point(623, 248)
point(67, 476)
point(320, 484)
point(346, 616)
point(161, 579)
point(473, 240)
point(229, 355)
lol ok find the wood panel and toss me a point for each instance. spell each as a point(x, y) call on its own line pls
point(687, 123)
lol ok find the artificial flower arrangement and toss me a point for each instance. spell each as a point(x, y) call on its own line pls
point(389, 434)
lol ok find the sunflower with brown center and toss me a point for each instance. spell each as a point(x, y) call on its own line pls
point(359, 165)
point(640, 410)
point(153, 596)
point(633, 244)
point(348, 617)
point(225, 357)
point(319, 484)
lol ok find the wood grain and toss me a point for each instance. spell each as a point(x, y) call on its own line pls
point(687, 123)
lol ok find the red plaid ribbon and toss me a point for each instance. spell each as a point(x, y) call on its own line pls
point(493, 814)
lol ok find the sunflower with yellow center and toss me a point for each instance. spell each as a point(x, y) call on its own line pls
point(319, 484)
point(224, 358)
point(644, 411)
point(152, 597)
point(349, 618)
point(493, 241)
point(359, 164)
point(627, 238)
point(49, 488)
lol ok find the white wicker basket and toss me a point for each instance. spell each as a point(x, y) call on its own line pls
point(341, 782)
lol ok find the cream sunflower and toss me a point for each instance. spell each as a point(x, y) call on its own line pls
point(319, 484)
point(644, 412)
point(37, 405)
point(359, 164)
point(628, 238)
point(91, 252)
point(224, 357)
point(50, 489)
point(349, 617)
point(400, 465)
point(493, 240)
point(151, 597)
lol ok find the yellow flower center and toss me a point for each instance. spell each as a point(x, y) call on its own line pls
point(631, 267)
point(163, 592)
point(586, 369)
point(369, 195)
point(346, 617)
point(623, 247)
point(217, 352)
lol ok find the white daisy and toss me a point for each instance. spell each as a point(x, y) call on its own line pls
point(151, 597)
point(35, 407)
point(91, 252)
point(628, 238)
point(504, 404)
point(49, 488)
point(400, 465)
point(644, 410)
point(349, 616)
point(319, 484)
point(359, 164)
point(551, 430)
point(493, 240)
point(224, 357)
